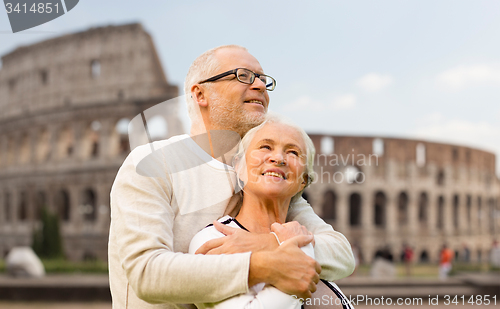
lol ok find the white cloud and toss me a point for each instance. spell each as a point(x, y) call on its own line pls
point(340, 102)
point(343, 102)
point(462, 76)
point(374, 82)
point(482, 135)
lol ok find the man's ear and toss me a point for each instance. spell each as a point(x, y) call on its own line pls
point(198, 95)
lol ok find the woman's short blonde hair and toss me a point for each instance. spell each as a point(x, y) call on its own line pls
point(274, 118)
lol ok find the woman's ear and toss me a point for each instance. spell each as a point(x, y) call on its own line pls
point(305, 180)
point(198, 95)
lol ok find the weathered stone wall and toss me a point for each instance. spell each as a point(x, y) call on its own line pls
point(65, 107)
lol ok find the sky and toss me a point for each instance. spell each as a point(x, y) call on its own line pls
point(412, 69)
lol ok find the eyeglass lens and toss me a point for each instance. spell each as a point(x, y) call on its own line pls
point(248, 77)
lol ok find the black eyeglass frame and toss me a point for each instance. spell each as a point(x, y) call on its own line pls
point(252, 79)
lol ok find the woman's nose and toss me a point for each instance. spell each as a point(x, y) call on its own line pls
point(277, 158)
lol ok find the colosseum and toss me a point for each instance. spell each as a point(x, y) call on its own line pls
point(387, 192)
point(66, 104)
point(65, 107)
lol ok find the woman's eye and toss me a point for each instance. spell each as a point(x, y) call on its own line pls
point(265, 147)
point(294, 152)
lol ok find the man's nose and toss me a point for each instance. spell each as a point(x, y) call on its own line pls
point(258, 84)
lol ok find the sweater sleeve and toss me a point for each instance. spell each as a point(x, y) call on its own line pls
point(141, 246)
point(332, 250)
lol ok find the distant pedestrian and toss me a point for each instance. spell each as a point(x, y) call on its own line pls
point(408, 258)
point(495, 254)
point(445, 259)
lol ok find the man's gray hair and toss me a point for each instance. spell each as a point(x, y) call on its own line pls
point(275, 118)
point(202, 68)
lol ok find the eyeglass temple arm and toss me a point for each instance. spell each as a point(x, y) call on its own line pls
point(216, 77)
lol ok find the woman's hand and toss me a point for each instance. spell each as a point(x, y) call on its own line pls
point(289, 230)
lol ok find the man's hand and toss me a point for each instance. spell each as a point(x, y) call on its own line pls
point(287, 268)
point(237, 241)
point(289, 230)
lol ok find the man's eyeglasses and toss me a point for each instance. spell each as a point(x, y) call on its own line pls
point(245, 76)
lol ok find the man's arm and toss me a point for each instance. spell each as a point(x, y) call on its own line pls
point(141, 246)
point(332, 250)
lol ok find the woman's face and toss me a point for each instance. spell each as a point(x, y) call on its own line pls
point(276, 161)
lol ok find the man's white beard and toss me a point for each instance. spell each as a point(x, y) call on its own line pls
point(232, 117)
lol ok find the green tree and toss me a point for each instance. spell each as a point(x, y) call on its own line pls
point(47, 241)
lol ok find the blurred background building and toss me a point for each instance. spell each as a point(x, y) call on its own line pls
point(66, 104)
point(383, 193)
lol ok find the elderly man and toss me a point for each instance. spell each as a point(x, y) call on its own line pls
point(158, 205)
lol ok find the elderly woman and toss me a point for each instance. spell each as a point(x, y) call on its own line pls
point(274, 164)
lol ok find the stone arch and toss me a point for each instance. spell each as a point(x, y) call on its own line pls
point(43, 145)
point(355, 209)
point(23, 206)
point(327, 145)
point(329, 205)
point(403, 208)
point(119, 137)
point(63, 206)
point(479, 211)
point(491, 215)
point(11, 153)
point(24, 149)
point(440, 212)
point(378, 147)
point(40, 203)
point(66, 142)
point(469, 209)
point(7, 206)
point(380, 209)
point(90, 141)
point(89, 204)
point(95, 127)
point(423, 205)
point(456, 210)
point(95, 68)
point(420, 155)
point(440, 177)
point(424, 257)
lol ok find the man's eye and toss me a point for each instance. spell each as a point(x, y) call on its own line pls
point(264, 80)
